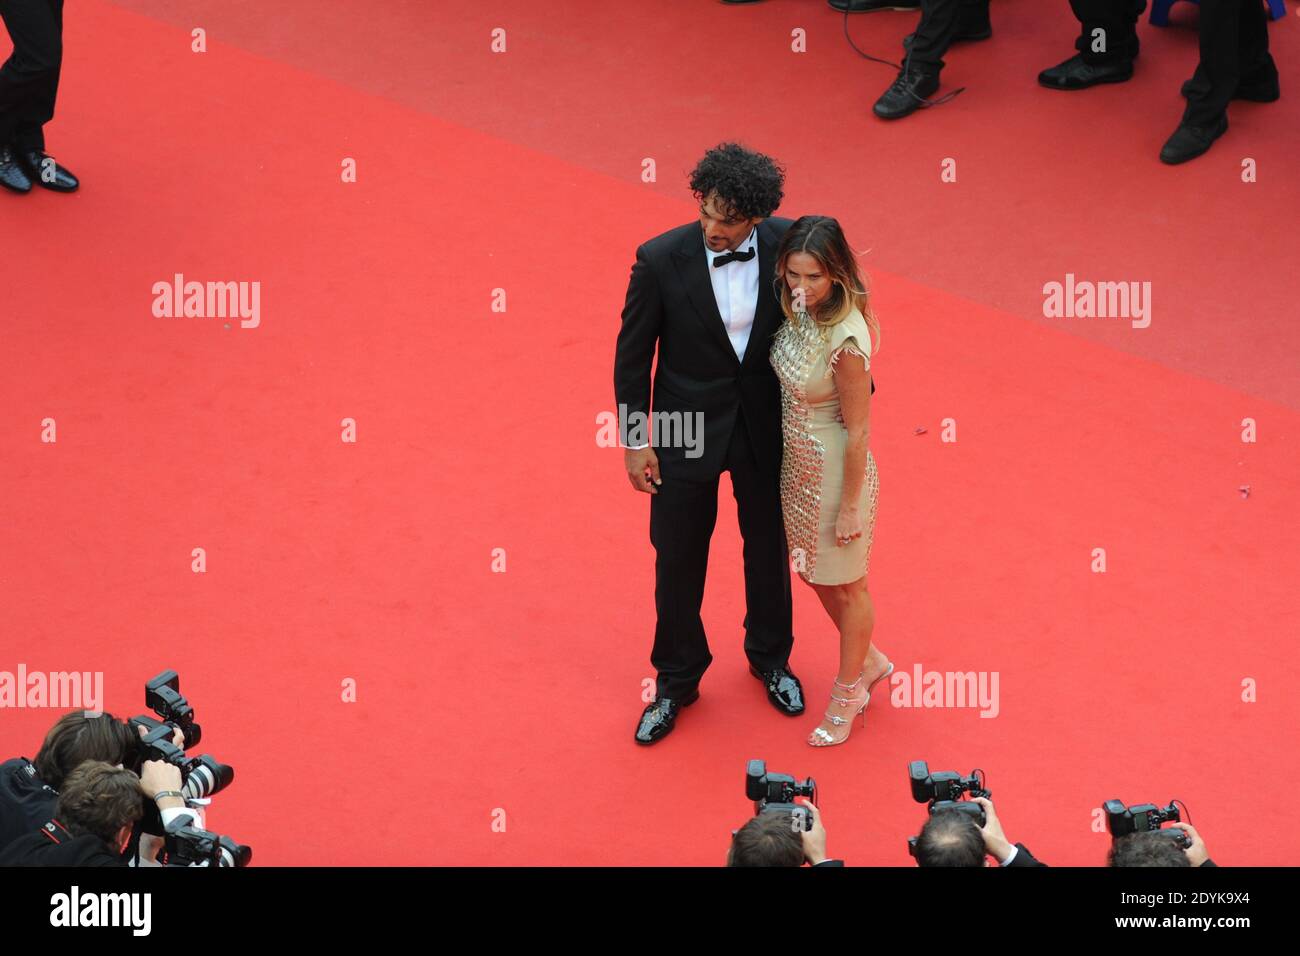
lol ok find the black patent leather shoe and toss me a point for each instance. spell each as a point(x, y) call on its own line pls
point(1075, 74)
point(44, 171)
point(12, 176)
point(657, 719)
point(783, 690)
point(906, 94)
point(1188, 142)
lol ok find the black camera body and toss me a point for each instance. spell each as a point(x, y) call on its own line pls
point(944, 792)
point(187, 845)
point(203, 775)
point(775, 793)
point(1121, 820)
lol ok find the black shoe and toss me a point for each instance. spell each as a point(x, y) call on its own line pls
point(1265, 92)
point(1075, 74)
point(783, 689)
point(44, 171)
point(906, 93)
point(870, 6)
point(11, 174)
point(658, 718)
point(1188, 142)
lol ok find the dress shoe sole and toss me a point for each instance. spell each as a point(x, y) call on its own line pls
point(1109, 78)
point(914, 7)
point(763, 679)
point(16, 189)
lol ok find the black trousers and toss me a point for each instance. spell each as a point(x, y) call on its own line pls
point(1234, 49)
point(939, 22)
point(29, 79)
point(682, 518)
point(1118, 19)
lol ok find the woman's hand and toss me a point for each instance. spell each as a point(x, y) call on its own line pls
point(848, 525)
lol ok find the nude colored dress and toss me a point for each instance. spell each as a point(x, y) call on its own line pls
point(812, 467)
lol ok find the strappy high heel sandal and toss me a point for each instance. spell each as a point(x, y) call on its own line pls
point(822, 735)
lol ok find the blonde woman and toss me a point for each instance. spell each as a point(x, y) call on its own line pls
point(829, 487)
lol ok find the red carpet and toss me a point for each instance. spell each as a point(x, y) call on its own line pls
point(480, 692)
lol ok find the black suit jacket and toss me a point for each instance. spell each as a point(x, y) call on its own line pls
point(1024, 858)
point(670, 303)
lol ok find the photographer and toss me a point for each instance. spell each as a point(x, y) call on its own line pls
point(1156, 848)
point(769, 840)
point(95, 815)
point(954, 839)
point(29, 789)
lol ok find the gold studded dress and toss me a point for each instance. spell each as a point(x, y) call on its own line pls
point(812, 467)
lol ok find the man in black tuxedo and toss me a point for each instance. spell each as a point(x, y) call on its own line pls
point(29, 85)
point(703, 293)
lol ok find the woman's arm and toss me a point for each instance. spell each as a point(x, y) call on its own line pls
point(853, 382)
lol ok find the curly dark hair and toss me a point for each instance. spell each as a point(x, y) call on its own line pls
point(748, 185)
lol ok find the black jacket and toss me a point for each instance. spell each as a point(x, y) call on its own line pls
point(26, 801)
point(1024, 857)
point(53, 845)
point(670, 303)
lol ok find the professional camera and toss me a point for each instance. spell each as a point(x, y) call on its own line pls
point(944, 792)
point(1122, 820)
point(187, 845)
point(775, 793)
point(203, 775)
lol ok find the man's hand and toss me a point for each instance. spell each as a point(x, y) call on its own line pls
point(995, 841)
point(814, 840)
point(642, 469)
point(178, 738)
point(157, 776)
point(1196, 853)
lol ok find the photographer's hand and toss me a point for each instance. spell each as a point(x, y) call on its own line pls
point(178, 738)
point(814, 840)
point(1196, 853)
point(157, 776)
point(995, 841)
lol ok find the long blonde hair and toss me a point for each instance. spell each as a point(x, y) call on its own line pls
point(823, 239)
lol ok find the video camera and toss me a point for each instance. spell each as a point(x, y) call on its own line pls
point(775, 793)
point(944, 792)
point(1140, 818)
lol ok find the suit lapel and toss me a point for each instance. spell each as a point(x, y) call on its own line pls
point(766, 313)
point(693, 267)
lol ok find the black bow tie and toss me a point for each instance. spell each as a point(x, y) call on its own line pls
point(726, 257)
